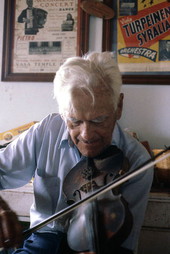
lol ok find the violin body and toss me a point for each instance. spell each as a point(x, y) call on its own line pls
point(94, 224)
point(95, 221)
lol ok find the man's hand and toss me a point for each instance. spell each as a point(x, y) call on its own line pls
point(10, 228)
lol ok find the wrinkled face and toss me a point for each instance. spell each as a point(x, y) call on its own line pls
point(91, 126)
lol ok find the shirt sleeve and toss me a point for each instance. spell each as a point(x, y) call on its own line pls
point(136, 190)
point(33, 149)
point(17, 162)
point(18, 159)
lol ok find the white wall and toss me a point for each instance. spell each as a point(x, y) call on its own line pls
point(146, 107)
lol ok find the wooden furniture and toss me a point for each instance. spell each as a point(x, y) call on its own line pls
point(20, 200)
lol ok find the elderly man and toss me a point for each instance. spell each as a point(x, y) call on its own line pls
point(88, 92)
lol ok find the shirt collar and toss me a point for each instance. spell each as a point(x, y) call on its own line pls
point(66, 139)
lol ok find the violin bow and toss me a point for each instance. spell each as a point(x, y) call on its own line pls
point(123, 178)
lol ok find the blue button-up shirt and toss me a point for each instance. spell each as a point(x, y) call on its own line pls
point(46, 153)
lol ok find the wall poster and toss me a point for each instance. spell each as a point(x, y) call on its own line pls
point(140, 39)
point(39, 35)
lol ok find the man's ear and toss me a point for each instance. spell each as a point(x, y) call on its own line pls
point(120, 106)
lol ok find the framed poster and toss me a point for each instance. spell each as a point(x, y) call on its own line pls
point(140, 39)
point(39, 35)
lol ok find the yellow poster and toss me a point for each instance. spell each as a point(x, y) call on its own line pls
point(143, 35)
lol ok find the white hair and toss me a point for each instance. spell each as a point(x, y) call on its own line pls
point(93, 70)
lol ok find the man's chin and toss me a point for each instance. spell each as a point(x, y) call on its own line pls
point(90, 153)
point(91, 150)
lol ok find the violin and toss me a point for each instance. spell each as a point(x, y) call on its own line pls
point(94, 225)
point(90, 197)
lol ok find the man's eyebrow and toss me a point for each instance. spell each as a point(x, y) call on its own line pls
point(72, 119)
point(97, 119)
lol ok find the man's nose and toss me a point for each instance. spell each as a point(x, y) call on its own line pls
point(87, 131)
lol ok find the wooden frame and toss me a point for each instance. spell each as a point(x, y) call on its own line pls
point(9, 50)
point(110, 38)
